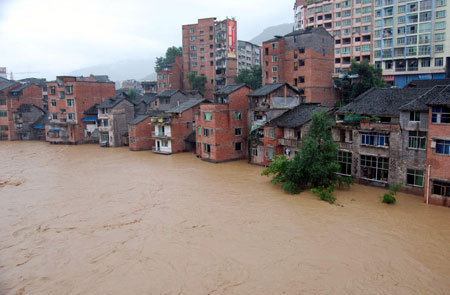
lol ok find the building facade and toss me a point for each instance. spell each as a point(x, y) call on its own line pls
point(140, 131)
point(170, 99)
point(304, 59)
point(209, 50)
point(113, 117)
point(411, 40)
point(149, 87)
point(170, 77)
point(221, 127)
point(69, 98)
point(249, 55)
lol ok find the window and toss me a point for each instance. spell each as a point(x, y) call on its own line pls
point(238, 146)
point(70, 102)
point(274, 69)
point(439, 48)
point(207, 116)
point(3, 127)
point(440, 14)
point(70, 116)
point(193, 39)
point(188, 125)
point(374, 168)
point(105, 123)
point(191, 30)
point(439, 25)
point(206, 148)
point(439, 37)
point(52, 90)
point(440, 115)
point(443, 147)
point(274, 45)
point(415, 177)
point(417, 140)
point(254, 152)
point(301, 50)
point(301, 79)
point(425, 63)
point(69, 89)
point(414, 116)
point(345, 161)
point(237, 115)
point(441, 3)
point(439, 62)
point(164, 143)
point(53, 102)
point(238, 131)
point(54, 116)
point(270, 154)
point(270, 132)
point(441, 188)
point(274, 79)
point(205, 132)
point(274, 58)
point(132, 140)
point(3, 114)
point(374, 139)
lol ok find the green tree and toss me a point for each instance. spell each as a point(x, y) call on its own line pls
point(132, 94)
point(316, 163)
point(196, 82)
point(171, 54)
point(251, 77)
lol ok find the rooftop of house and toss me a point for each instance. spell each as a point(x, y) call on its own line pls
point(20, 88)
point(298, 116)
point(148, 98)
point(139, 119)
point(92, 111)
point(310, 30)
point(112, 102)
point(25, 108)
point(382, 101)
point(427, 83)
point(269, 88)
point(420, 104)
point(227, 90)
point(167, 93)
point(8, 84)
point(442, 98)
point(186, 105)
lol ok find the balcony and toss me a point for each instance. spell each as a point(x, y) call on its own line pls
point(159, 135)
point(104, 128)
point(161, 151)
point(291, 142)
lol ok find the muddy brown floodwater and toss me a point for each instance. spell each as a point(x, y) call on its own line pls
point(91, 220)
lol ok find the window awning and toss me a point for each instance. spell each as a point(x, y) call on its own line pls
point(89, 119)
point(53, 130)
point(38, 127)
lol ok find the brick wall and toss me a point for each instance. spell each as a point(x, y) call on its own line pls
point(141, 134)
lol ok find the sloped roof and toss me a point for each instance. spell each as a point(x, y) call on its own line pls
point(139, 119)
point(229, 89)
point(101, 78)
point(298, 116)
point(25, 107)
point(148, 98)
point(112, 102)
point(420, 104)
point(167, 93)
point(7, 85)
point(269, 88)
point(93, 110)
point(21, 87)
point(186, 105)
point(440, 99)
point(382, 101)
point(427, 83)
point(309, 30)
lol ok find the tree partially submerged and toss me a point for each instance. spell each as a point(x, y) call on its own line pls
point(169, 58)
point(316, 163)
point(196, 82)
point(251, 77)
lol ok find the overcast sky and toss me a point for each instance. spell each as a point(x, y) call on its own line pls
point(50, 37)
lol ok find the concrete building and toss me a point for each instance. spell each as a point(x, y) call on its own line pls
point(249, 55)
point(221, 127)
point(29, 122)
point(265, 104)
point(149, 87)
point(169, 99)
point(283, 135)
point(113, 117)
point(304, 59)
point(69, 98)
point(437, 172)
point(170, 77)
point(209, 49)
point(90, 122)
point(174, 129)
point(299, 15)
point(350, 23)
point(410, 40)
point(12, 96)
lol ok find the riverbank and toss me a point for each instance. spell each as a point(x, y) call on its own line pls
point(89, 220)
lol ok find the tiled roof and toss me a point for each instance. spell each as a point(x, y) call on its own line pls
point(92, 111)
point(148, 98)
point(8, 84)
point(186, 105)
point(25, 107)
point(427, 83)
point(139, 119)
point(167, 93)
point(112, 102)
point(20, 88)
point(307, 31)
point(269, 88)
point(228, 89)
point(420, 104)
point(440, 99)
point(382, 101)
point(298, 116)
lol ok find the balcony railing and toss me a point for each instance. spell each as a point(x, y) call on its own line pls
point(292, 142)
point(159, 135)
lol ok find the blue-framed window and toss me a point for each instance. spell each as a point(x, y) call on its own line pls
point(440, 115)
point(374, 139)
point(443, 147)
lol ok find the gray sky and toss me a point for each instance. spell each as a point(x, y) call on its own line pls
point(53, 37)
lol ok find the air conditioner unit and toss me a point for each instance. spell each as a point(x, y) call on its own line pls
point(433, 144)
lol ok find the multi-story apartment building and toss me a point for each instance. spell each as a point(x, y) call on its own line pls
point(349, 21)
point(411, 40)
point(209, 49)
point(299, 15)
point(15, 99)
point(222, 126)
point(249, 55)
point(69, 98)
point(170, 76)
point(304, 59)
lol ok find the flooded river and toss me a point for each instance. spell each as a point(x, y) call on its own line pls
point(91, 220)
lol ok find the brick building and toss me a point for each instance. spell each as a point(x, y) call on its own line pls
point(174, 128)
point(221, 127)
point(169, 99)
point(139, 132)
point(283, 135)
point(113, 117)
point(265, 104)
point(437, 173)
point(209, 49)
point(170, 77)
point(29, 122)
point(12, 96)
point(69, 98)
point(304, 59)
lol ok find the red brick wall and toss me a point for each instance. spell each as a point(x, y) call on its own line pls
point(440, 164)
point(272, 142)
point(180, 129)
point(173, 78)
point(142, 133)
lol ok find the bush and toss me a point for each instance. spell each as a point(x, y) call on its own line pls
point(388, 199)
point(344, 182)
point(325, 194)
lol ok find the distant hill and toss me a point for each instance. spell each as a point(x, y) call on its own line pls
point(270, 32)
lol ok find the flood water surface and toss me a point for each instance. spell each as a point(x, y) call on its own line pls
point(91, 220)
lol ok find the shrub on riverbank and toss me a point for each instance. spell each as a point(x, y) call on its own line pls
point(388, 198)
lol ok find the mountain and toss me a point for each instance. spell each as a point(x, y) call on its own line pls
point(121, 70)
point(270, 32)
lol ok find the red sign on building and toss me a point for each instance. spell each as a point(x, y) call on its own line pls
point(232, 38)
